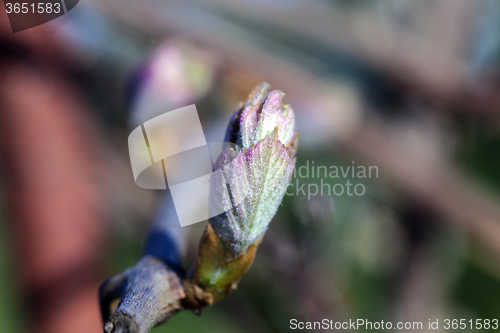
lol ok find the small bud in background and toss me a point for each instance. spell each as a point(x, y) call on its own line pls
point(176, 74)
point(257, 168)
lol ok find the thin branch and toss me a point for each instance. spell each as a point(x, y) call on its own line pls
point(151, 293)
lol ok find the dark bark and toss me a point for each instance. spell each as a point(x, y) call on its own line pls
point(150, 293)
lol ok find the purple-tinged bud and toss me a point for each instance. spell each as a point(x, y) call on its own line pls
point(258, 170)
point(259, 115)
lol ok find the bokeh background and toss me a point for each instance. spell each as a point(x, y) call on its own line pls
point(412, 87)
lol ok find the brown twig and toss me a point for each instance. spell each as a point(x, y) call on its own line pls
point(150, 292)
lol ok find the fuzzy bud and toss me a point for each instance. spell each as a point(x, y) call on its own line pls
point(256, 169)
